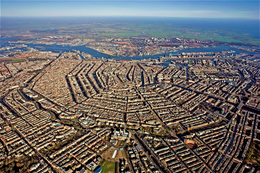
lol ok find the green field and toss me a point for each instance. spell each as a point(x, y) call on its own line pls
point(108, 167)
point(128, 29)
point(18, 60)
point(167, 30)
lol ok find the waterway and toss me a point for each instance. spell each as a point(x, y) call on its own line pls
point(61, 48)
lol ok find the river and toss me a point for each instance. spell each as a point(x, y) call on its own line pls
point(60, 48)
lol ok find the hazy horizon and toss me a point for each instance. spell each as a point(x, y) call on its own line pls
point(255, 19)
point(187, 9)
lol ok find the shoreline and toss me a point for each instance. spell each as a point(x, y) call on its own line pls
point(98, 54)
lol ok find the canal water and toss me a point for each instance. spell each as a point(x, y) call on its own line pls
point(60, 48)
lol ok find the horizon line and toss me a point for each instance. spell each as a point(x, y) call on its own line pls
point(136, 16)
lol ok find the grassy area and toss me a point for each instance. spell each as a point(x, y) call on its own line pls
point(18, 60)
point(109, 153)
point(122, 143)
point(166, 30)
point(127, 29)
point(108, 167)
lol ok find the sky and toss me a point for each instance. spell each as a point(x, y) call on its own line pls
point(243, 9)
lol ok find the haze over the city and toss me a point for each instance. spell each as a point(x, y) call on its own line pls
point(192, 8)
